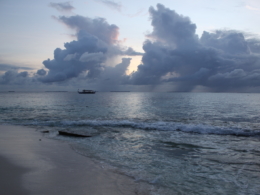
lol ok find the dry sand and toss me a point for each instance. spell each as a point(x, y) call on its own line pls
point(32, 164)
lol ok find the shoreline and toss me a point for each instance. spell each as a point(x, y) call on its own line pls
point(48, 166)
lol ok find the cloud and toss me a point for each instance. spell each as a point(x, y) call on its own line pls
point(97, 41)
point(96, 57)
point(111, 4)
point(172, 36)
point(138, 13)
point(117, 6)
point(41, 72)
point(170, 27)
point(254, 45)
point(174, 55)
point(15, 77)
point(231, 42)
point(112, 77)
point(252, 8)
point(62, 7)
point(223, 60)
point(130, 52)
point(5, 67)
point(97, 27)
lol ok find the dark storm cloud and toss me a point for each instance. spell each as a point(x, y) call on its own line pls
point(14, 77)
point(97, 41)
point(41, 72)
point(254, 45)
point(230, 42)
point(221, 61)
point(111, 4)
point(62, 7)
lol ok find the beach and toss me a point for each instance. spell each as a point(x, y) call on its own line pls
point(33, 164)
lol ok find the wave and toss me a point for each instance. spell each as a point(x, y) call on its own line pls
point(158, 125)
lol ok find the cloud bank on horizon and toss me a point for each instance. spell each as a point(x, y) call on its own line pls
point(174, 55)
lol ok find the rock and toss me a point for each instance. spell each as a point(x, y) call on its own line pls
point(45, 131)
point(72, 134)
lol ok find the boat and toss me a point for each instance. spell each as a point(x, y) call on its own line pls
point(84, 91)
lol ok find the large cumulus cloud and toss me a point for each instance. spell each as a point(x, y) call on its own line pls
point(97, 41)
point(171, 28)
point(224, 60)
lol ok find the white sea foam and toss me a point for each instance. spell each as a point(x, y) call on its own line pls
point(166, 126)
point(157, 125)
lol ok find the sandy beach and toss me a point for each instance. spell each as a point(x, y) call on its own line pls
point(33, 164)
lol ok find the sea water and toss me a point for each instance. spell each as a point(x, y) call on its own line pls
point(178, 143)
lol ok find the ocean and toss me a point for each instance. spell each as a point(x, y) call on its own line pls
point(176, 143)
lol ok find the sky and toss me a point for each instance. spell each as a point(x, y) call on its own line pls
point(107, 45)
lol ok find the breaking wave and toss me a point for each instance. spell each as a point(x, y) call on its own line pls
point(159, 126)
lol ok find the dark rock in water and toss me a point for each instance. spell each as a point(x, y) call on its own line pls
point(72, 134)
point(45, 131)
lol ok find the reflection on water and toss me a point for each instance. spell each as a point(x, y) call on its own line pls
point(181, 143)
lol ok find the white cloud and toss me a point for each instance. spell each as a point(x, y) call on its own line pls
point(252, 8)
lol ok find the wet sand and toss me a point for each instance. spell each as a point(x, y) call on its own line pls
point(32, 164)
point(10, 178)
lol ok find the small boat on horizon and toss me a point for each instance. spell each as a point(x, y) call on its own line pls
point(84, 91)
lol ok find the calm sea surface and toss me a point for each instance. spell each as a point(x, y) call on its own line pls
point(178, 143)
